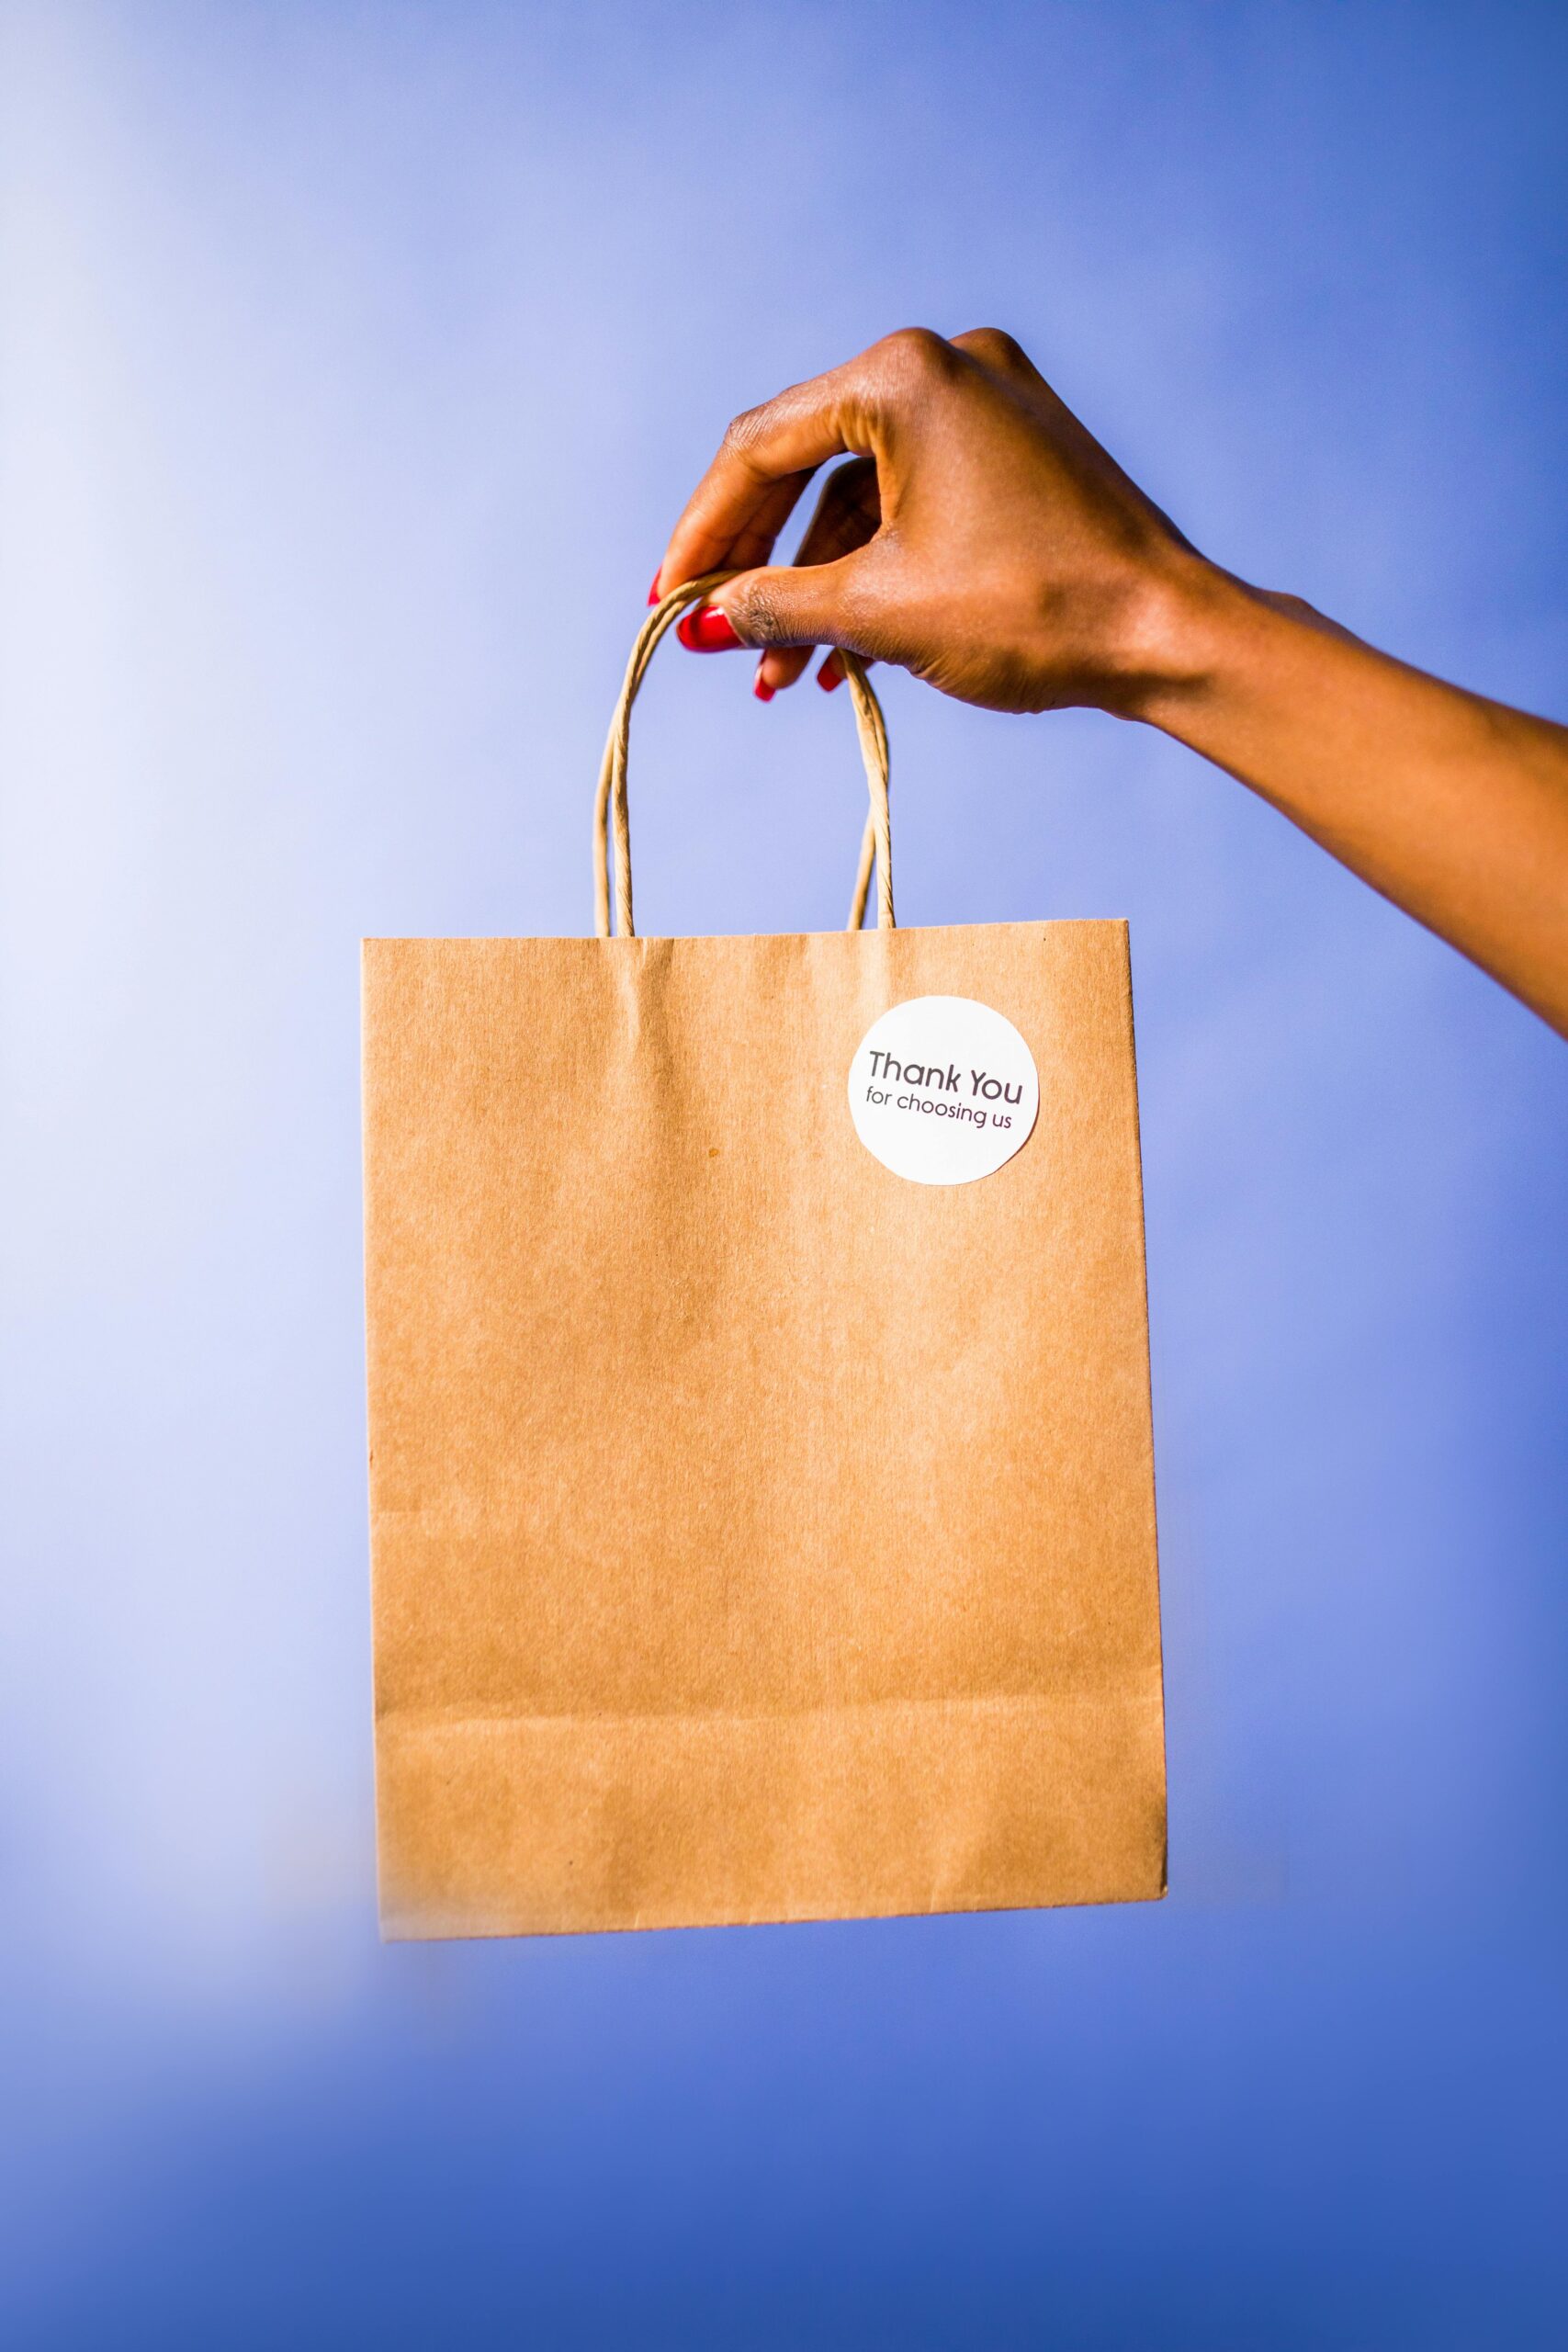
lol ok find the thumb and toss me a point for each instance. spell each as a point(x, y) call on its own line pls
point(815, 603)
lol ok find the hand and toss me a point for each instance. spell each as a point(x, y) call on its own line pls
point(979, 536)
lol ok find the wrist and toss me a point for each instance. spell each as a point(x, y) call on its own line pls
point(1186, 628)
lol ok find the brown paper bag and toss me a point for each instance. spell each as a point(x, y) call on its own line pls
point(758, 1532)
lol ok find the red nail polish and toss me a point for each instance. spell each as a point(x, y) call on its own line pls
point(760, 688)
point(653, 592)
point(829, 675)
point(708, 630)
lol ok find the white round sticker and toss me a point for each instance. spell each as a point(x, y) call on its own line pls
point(943, 1089)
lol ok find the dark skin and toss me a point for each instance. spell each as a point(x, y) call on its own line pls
point(980, 537)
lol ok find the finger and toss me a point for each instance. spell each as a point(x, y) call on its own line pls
point(767, 456)
point(754, 543)
point(789, 606)
point(849, 513)
point(848, 410)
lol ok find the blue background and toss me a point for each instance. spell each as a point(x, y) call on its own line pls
point(358, 360)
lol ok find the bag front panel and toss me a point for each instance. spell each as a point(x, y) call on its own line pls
point(756, 1533)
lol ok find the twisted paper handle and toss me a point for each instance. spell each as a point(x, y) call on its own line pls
point(610, 822)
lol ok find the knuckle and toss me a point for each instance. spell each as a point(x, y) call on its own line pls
point(915, 354)
point(742, 433)
point(754, 609)
point(994, 345)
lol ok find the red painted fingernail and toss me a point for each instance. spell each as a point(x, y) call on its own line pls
point(760, 688)
point(708, 630)
point(829, 675)
point(653, 592)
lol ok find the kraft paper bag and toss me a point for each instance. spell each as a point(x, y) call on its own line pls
point(761, 1482)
